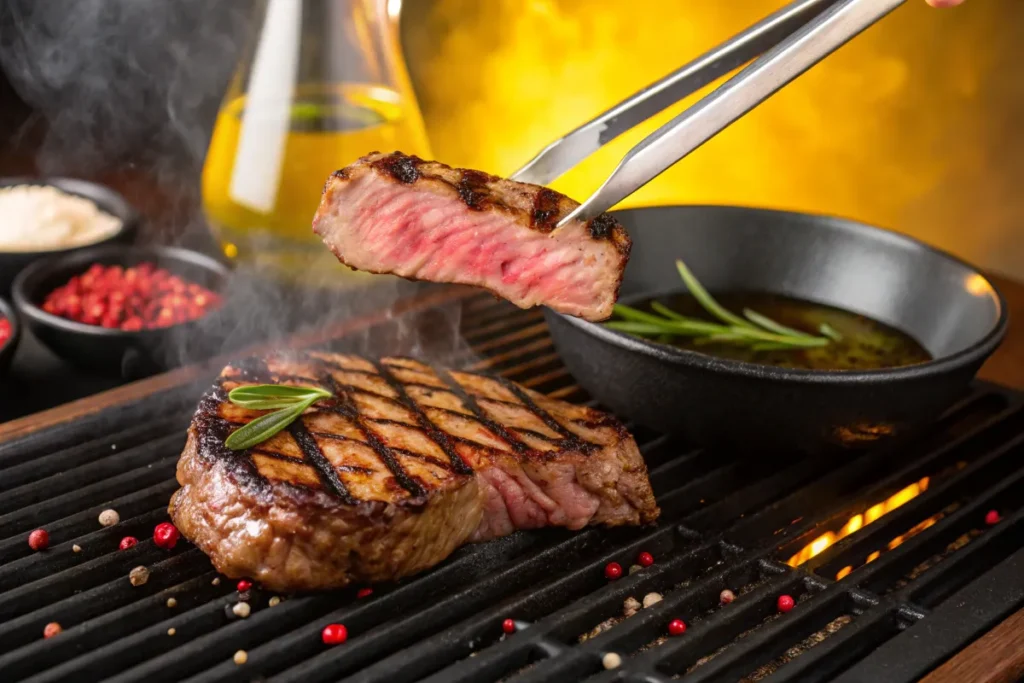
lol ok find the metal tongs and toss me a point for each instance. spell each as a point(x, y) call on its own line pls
point(789, 42)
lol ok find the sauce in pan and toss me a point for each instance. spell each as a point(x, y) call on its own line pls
point(866, 344)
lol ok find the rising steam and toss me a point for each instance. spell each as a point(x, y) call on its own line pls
point(124, 84)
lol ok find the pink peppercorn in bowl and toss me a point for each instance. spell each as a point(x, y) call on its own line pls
point(120, 310)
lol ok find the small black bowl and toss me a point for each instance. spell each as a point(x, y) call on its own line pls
point(113, 351)
point(944, 303)
point(10, 346)
point(12, 262)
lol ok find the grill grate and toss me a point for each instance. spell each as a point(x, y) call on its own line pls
point(884, 599)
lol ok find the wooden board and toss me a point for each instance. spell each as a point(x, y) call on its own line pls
point(996, 657)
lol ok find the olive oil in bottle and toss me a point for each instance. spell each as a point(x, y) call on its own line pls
point(324, 85)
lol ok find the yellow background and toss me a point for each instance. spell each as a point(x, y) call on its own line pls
point(917, 125)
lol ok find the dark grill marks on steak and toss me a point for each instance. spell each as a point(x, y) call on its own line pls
point(402, 465)
point(440, 438)
point(472, 188)
point(569, 440)
point(256, 371)
point(342, 404)
point(313, 455)
point(470, 403)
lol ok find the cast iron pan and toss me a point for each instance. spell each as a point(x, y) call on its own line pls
point(945, 304)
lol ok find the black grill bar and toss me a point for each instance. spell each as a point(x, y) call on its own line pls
point(21, 572)
point(875, 576)
point(992, 473)
point(962, 618)
point(838, 652)
point(94, 495)
point(766, 643)
point(102, 425)
point(31, 470)
point(939, 582)
point(473, 603)
point(67, 531)
point(138, 636)
point(580, 616)
point(849, 482)
point(97, 471)
point(728, 519)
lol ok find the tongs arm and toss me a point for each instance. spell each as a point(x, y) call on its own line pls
point(803, 48)
point(569, 150)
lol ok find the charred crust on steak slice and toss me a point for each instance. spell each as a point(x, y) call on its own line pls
point(602, 226)
point(479, 191)
point(402, 167)
point(545, 210)
point(341, 174)
point(472, 189)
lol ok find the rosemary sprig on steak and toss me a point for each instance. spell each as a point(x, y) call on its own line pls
point(758, 331)
point(290, 402)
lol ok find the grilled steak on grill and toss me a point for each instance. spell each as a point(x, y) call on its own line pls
point(423, 220)
point(403, 465)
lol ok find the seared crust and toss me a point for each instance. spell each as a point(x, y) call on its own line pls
point(537, 207)
point(392, 474)
point(291, 538)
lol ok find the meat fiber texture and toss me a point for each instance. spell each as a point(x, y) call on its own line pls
point(403, 465)
point(424, 220)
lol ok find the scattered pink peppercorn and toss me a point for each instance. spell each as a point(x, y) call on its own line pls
point(508, 626)
point(127, 542)
point(992, 517)
point(645, 559)
point(726, 596)
point(334, 634)
point(676, 627)
point(244, 585)
point(785, 603)
point(51, 629)
point(39, 539)
point(166, 535)
point(612, 571)
point(364, 592)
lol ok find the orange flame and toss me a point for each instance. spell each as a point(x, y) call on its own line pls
point(855, 523)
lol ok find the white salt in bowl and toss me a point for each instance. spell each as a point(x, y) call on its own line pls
point(14, 257)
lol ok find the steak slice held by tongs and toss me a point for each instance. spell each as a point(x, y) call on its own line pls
point(423, 220)
point(406, 463)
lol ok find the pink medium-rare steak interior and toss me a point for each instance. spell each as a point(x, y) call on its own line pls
point(426, 221)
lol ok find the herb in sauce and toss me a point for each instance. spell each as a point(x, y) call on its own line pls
point(773, 330)
point(863, 343)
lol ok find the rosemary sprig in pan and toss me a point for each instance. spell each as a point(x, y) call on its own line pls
point(751, 329)
point(289, 401)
